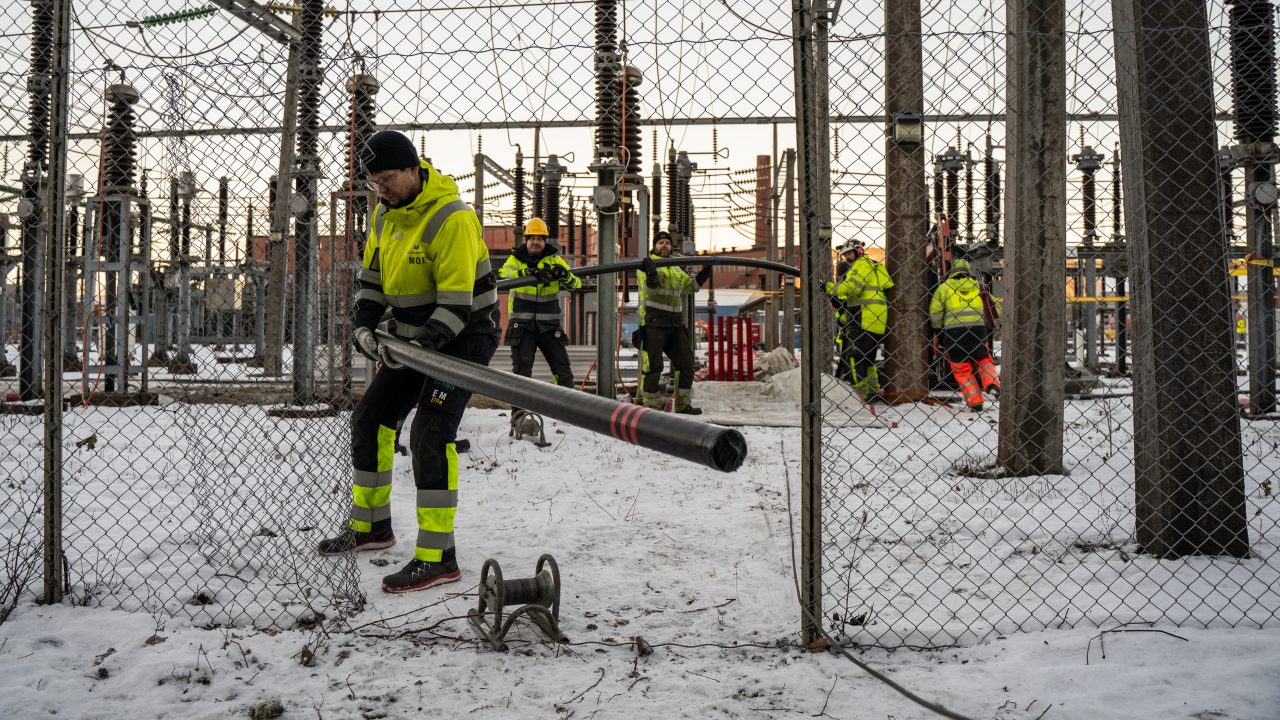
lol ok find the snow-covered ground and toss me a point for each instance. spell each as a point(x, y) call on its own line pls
point(699, 564)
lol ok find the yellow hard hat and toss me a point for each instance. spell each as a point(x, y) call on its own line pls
point(535, 226)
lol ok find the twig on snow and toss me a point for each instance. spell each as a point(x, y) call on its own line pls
point(710, 607)
point(587, 690)
point(823, 711)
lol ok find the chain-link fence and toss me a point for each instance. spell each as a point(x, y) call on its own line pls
point(208, 268)
point(1061, 430)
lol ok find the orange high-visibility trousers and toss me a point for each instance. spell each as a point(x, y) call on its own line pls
point(987, 373)
point(963, 372)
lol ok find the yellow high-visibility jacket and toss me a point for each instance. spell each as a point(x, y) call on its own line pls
point(537, 304)
point(427, 260)
point(957, 303)
point(662, 295)
point(864, 287)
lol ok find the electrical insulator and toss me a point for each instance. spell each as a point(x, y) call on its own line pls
point(1089, 161)
point(952, 162)
point(607, 66)
point(362, 89)
point(518, 178)
point(551, 176)
point(1253, 69)
point(119, 141)
point(39, 82)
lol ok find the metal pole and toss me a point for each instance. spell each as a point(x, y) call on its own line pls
point(478, 201)
point(182, 317)
point(808, 32)
point(273, 345)
point(1253, 75)
point(54, 560)
point(303, 204)
point(70, 301)
point(789, 252)
point(770, 333)
point(31, 209)
point(607, 286)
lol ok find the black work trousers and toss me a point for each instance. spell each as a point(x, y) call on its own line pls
point(674, 343)
point(963, 344)
point(858, 349)
point(386, 402)
point(525, 346)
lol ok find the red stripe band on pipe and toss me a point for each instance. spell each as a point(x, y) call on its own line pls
point(632, 421)
point(613, 421)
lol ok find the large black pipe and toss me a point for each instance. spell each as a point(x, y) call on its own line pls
point(625, 265)
point(721, 448)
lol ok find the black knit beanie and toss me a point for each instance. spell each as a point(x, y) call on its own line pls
point(388, 150)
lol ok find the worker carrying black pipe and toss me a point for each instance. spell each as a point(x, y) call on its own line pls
point(717, 447)
point(662, 327)
point(625, 265)
point(427, 260)
point(533, 311)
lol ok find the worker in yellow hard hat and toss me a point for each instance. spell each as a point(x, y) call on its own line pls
point(533, 311)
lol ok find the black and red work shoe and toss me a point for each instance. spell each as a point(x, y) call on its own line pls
point(351, 541)
point(420, 575)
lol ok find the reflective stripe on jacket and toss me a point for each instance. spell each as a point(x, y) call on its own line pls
point(864, 287)
point(956, 303)
point(539, 303)
point(428, 261)
point(663, 305)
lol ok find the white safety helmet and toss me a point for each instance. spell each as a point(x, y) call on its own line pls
point(850, 246)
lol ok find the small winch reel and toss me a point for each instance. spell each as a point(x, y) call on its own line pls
point(537, 596)
point(525, 423)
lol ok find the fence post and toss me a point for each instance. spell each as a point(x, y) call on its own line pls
point(808, 44)
point(1031, 405)
point(54, 562)
point(1188, 471)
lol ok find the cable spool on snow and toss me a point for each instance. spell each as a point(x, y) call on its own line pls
point(528, 424)
point(537, 596)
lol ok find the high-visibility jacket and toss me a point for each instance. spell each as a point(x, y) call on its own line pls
point(862, 292)
point(957, 303)
point(428, 261)
point(662, 296)
point(537, 304)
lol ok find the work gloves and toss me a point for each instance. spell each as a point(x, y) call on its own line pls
point(367, 344)
point(829, 289)
point(538, 273)
point(648, 266)
point(703, 275)
point(558, 272)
